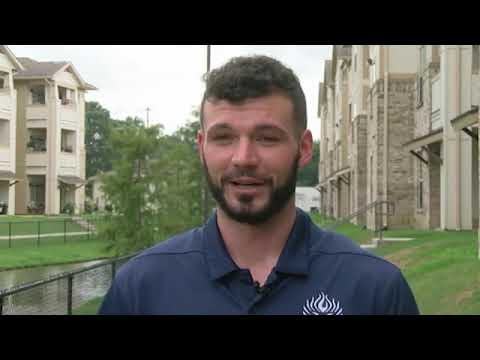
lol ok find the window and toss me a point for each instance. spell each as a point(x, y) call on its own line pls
point(420, 195)
point(4, 80)
point(37, 140)
point(419, 89)
point(4, 133)
point(38, 95)
point(475, 59)
point(371, 178)
point(419, 185)
point(423, 59)
point(65, 95)
point(67, 141)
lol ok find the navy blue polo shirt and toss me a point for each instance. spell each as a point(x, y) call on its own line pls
point(318, 273)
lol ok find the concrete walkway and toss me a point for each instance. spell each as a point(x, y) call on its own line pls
point(44, 235)
point(374, 243)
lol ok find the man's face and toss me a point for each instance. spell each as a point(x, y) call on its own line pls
point(251, 153)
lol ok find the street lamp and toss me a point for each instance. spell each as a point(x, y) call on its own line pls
point(205, 187)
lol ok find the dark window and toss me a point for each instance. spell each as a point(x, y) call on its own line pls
point(475, 59)
point(419, 86)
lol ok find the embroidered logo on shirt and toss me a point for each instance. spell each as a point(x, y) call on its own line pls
point(322, 305)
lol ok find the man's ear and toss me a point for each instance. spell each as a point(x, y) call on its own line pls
point(200, 142)
point(306, 148)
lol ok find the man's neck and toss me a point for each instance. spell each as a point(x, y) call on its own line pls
point(257, 247)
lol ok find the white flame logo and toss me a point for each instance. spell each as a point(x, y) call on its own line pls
point(322, 305)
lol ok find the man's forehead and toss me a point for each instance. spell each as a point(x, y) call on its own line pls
point(281, 106)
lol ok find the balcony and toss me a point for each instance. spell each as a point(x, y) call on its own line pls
point(5, 164)
point(36, 159)
point(6, 104)
point(68, 164)
point(68, 115)
point(37, 111)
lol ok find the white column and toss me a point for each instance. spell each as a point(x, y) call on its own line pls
point(456, 171)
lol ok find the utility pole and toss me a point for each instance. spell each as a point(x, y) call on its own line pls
point(205, 187)
point(148, 112)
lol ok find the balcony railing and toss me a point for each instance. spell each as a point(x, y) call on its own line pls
point(37, 146)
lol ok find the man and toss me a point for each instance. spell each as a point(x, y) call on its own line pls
point(258, 253)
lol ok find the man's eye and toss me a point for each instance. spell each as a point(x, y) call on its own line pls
point(222, 138)
point(267, 139)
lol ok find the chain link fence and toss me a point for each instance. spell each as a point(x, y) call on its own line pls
point(62, 293)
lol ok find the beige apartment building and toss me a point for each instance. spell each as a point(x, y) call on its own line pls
point(334, 167)
point(9, 65)
point(370, 89)
point(445, 146)
point(42, 130)
point(50, 137)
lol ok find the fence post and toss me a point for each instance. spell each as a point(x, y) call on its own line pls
point(69, 295)
point(9, 234)
point(65, 230)
point(38, 233)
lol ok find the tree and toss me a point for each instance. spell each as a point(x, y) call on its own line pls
point(308, 176)
point(129, 188)
point(98, 127)
point(155, 187)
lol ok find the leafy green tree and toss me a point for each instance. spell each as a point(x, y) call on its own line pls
point(98, 128)
point(308, 176)
point(128, 188)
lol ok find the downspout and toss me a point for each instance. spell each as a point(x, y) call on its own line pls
point(385, 130)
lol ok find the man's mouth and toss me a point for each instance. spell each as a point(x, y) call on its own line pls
point(246, 183)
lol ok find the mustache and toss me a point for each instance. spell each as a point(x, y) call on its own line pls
point(238, 173)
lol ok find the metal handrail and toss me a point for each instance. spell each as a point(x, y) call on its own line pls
point(56, 277)
point(375, 204)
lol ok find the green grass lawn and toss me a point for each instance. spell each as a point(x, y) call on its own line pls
point(441, 267)
point(354, 232)
point(89, 308)
point(52, 253)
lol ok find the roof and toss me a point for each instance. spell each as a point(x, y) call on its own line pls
point(38, 69)
point(47, 69)
point(5, 50)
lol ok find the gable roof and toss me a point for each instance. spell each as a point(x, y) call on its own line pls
point(5, 50)
point(36, 69)
point(47, 69)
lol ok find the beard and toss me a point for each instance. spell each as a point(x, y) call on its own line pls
point(278, 198)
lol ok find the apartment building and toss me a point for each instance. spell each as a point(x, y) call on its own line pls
point(371, 91)
point(50, 150)
point(392, 74)
point(334, 168)
point(9, 65)
point(445, 146)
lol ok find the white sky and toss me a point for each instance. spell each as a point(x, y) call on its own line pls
point(167, 78)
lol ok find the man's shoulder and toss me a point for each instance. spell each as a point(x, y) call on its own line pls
point(337, 246)
point(183, 243)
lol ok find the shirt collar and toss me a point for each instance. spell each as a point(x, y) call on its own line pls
point(294, 258)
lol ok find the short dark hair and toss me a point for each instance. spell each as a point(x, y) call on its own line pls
point(248, 77)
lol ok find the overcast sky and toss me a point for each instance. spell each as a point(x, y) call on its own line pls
point(167, 78)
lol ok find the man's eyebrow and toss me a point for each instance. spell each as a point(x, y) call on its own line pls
point(270, 128)
point(220, 126)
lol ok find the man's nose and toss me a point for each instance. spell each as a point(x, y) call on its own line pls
point(245, 154)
